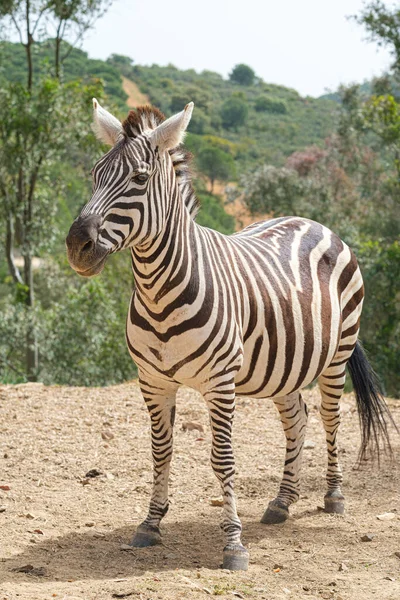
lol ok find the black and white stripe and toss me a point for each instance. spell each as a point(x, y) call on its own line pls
point(263, 313)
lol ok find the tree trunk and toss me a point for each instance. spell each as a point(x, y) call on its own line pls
point(57, 57)
point(28, 45)
point(31, 342)
point(32, 362)
point(14, 272)
point(212, 181)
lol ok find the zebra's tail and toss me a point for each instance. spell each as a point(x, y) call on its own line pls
point(372, 409)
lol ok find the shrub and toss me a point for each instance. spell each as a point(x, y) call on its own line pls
point(269, 105)
point(234, 112)
point(212, 214)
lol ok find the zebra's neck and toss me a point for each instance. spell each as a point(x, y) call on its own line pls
point(160, 267)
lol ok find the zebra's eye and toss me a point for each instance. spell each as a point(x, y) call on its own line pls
point(140, 178)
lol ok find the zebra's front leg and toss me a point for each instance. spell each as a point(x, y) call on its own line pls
point(293, 414)
point(221, 405)
point(161, 408)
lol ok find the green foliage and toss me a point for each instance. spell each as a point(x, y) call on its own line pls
point(177, 103)
point(216, 164)
point(269, 105)
point(381, 114)
point(77, 66)
point(268, 136)
point(34, 136)
point(36, 112)
point(274, 190)
point(380, 263)
point(213, 215)
point(234, 112)
point(120, 63)
point(200, 122)
point(242, 74)
point(82, 338)
point(80, 334)
point(383, 25)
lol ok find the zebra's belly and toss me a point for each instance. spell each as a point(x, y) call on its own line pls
point(276, 367)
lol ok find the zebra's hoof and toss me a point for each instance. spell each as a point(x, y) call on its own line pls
point(334, 502)
point(236, 558)
point(146, 536)
point(277, 512)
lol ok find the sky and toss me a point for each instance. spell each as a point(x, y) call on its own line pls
point(309, 45)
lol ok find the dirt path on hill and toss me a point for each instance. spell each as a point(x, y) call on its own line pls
point(135, 96)
point(70, 528)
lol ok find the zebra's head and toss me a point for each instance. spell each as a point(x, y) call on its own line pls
point(133, 185)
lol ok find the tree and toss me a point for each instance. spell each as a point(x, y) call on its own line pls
point(57, 19)
point(304, 161)
point(382, 116)
point(242, 74)
point(272, 190)
point(122, 63)
point(234, 112)
point(178, 102)
point(216, 164)
point(35, 133)
point(383, 26)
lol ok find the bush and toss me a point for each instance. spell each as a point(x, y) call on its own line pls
point(84, 339)
point(380, 322)
point(80, 338)
point(272, 190)
point(269, 105)
point(178, 103)
point(200, 122)
point(234, 112)
point(212, 214)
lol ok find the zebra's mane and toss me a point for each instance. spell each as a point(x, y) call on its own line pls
point(148, 117)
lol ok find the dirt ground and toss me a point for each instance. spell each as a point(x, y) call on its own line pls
point(70, 528)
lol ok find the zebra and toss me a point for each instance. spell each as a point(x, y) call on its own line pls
point(263, 312)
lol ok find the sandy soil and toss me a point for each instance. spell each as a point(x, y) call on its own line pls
point(70, 528)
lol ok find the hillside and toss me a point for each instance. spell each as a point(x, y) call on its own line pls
point(135, 97)
point(278, 121)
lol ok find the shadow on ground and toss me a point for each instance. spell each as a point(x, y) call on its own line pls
point(186, 545)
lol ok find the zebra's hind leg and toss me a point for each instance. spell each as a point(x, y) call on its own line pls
point(161, 406)
point(293, 414)
point(331, 384)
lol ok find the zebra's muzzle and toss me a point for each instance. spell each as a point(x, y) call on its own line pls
point(85, 255)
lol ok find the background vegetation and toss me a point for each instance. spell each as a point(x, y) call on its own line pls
point(335, 159)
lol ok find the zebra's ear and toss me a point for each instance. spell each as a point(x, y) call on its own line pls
point(172, 131)
point(106, 127)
